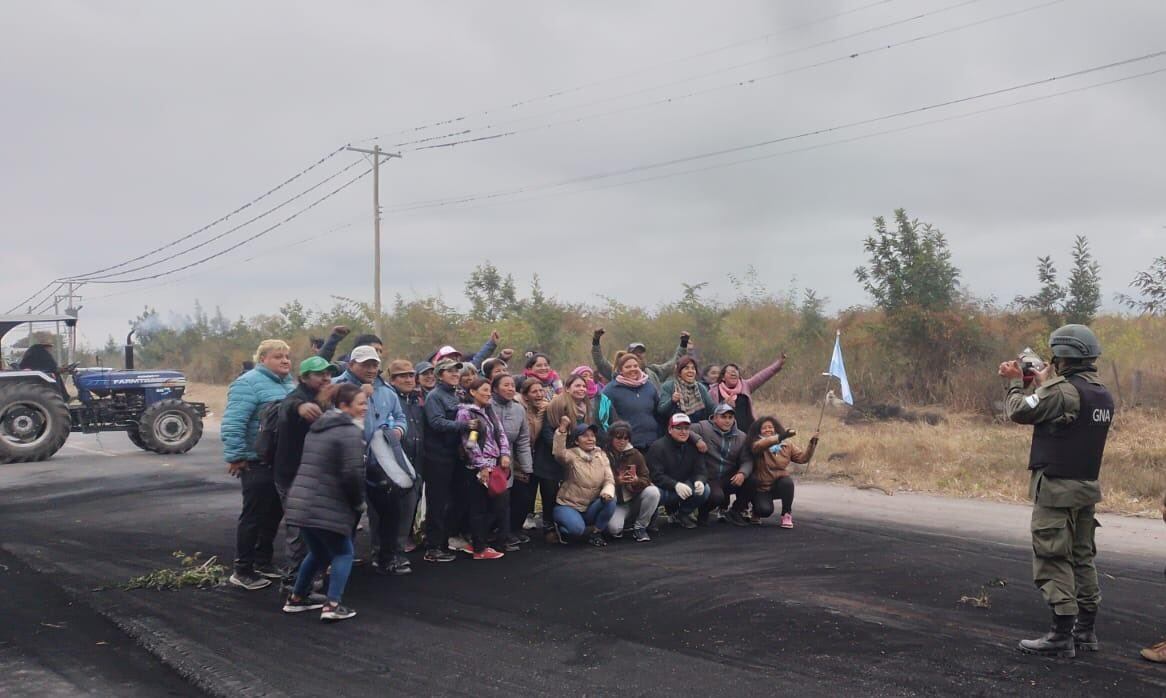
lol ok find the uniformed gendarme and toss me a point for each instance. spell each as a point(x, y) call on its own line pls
point(1071, 412)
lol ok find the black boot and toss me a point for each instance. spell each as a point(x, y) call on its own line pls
point(1083, 635)
point(1058, 642)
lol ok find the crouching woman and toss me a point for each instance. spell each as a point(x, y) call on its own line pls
point(635, 495)
point(772, 455)
point(586, 499)
point(326, 498)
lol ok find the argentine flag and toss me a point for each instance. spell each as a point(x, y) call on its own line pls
point(838, 369)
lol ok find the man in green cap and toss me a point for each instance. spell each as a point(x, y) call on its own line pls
point(298, 410)
point(1071, 412)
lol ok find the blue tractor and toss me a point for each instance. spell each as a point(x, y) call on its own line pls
point(37, 413)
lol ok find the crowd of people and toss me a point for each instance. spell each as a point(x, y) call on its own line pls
point(495, 446)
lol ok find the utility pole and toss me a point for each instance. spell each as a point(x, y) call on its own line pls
point(376, 154)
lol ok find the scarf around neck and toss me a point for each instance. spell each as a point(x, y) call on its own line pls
point(690, 399)
point(632, 382)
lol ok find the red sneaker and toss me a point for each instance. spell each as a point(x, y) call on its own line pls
point(488, 554)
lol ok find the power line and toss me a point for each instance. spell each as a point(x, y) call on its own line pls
point(842, 141)
point(774, 141)
point(745, 82)
point(263, 253)
point(239, 244)
point(220, 219)
point(701, 76)
point(578, 88)
point(223, 234)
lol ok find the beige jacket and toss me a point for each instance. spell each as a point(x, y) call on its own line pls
point(585, 475)
point(769, 467)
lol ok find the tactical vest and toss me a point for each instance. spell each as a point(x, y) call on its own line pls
point(1074, 451)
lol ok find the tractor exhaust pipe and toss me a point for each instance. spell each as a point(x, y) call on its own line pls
point(130, 350)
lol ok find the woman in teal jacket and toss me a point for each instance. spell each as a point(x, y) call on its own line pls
point(269, 381)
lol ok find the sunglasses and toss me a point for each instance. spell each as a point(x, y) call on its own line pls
point(682, 427)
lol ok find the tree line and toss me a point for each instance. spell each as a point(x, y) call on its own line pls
point(922, 339)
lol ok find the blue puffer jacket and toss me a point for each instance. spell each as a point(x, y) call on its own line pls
point(637, 407)
point(240, 422)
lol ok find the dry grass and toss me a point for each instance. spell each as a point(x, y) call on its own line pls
point(975, 456)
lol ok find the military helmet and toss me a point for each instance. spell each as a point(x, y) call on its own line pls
point(1075, 342)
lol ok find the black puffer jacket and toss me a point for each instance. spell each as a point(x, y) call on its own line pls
point(671, 462)
point(292, 430)
point(328, 491)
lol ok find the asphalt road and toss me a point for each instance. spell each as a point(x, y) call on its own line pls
point(841, 605)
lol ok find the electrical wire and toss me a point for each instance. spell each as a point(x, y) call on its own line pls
point(774, 141)
point(578, 88)
point(747, 82)
point(239, 244)
point(719, 71)
point(232, 262)
point(218, 220)
point(223, 234)
point(818, 146)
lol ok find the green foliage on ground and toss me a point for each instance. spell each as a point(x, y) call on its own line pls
point(192, 571)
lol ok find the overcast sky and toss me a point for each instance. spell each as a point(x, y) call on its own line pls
point(127, 125)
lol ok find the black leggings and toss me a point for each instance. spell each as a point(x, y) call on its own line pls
point(485, 512)
point(522, 496)
point(548, 490)
point(783, 489)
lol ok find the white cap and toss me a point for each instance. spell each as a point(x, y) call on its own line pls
point(365, 353)
point(679, 418)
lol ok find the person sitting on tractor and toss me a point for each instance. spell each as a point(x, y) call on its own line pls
point(39, 357)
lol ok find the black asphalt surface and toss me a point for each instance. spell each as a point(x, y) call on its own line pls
point(834, 607)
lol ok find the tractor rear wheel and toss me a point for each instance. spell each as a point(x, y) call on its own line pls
point(170, 426)
point(34, 421)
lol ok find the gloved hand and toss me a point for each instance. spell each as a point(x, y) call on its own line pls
point(683, 490)
point(698, 487)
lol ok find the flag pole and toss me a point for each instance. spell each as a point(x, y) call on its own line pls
point(822, 414)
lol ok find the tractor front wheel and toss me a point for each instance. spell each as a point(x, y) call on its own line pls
point(34, 422)
point(170, 426)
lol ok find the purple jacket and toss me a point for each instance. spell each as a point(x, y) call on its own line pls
point(492, 443)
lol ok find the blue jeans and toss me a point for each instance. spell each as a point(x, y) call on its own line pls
point(324, 548)
point(672, 501)
point(574, 522)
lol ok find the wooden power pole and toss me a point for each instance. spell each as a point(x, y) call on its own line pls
point(377, 154)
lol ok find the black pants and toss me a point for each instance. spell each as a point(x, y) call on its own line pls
point(522, 496)
point(719, 492)
point(548, 490)
point(259, 520)
point(485, 512)
point(438, 488)
point(783, 489)
point(390, 518)
point(296, 548)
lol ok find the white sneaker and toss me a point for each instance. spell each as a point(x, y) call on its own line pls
point(458, 543)
point(532, 522)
